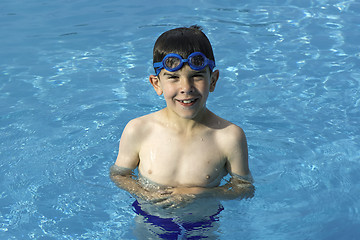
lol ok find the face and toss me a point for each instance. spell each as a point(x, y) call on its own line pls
point(186, 90)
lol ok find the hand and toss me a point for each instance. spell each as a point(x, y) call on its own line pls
point(175, 197)
point(176, 201)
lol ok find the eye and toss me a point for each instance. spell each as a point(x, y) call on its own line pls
point(198, 76)
point(172, 78)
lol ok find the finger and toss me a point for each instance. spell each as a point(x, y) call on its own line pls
point(173, 202)
point(158, 199)
point(165, 204)
point(166, 192)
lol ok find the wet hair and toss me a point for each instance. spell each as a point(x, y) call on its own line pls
point(182, 41)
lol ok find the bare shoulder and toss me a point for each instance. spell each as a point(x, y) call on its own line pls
point(140, 126)
point(228, 133)
point(232, 140)
point(234, 133)
point(131, 141)
point(136, 131)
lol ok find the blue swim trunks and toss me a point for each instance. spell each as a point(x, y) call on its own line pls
point(172, 229)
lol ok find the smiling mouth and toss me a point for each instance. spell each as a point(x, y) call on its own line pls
point(188, 102)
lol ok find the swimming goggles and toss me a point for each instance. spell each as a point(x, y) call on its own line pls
point(173, 62)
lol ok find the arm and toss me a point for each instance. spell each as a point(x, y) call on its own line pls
point(237, 187)
point(125, 179)
point(240, 185)
point(121, 173)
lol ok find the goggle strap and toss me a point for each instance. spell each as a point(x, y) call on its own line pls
point(158, 64)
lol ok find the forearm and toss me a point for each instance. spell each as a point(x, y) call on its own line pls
point(231, 191)
point(127, 183)
point(234, 189)
point(125, 179)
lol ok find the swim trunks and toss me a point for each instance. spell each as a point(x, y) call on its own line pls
point(172, 229)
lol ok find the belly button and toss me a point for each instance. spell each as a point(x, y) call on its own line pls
point(149, 171)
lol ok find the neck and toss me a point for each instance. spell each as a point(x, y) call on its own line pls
point(185, 125)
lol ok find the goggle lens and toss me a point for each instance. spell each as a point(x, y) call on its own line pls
point(197, 61)
point(173, 62)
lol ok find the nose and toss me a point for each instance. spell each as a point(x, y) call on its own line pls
point(186, 86)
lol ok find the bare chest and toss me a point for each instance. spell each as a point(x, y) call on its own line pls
point(171, 161)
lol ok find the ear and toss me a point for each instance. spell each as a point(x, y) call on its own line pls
point(155, 82)
point(213, 80)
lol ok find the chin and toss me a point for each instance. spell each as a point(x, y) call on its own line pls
point(189, 116)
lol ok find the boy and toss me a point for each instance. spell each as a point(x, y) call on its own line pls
point(184, 149)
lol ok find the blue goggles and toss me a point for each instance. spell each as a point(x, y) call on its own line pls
point(173, 62)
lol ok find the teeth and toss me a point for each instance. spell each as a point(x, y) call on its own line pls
point(187, 101)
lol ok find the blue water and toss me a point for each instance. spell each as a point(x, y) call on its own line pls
point(72, 73)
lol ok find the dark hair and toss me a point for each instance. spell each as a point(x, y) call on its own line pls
point(183, 41)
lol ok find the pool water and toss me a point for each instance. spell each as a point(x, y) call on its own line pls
point(73, 73)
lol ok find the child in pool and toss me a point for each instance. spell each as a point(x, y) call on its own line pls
point(184, 149)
